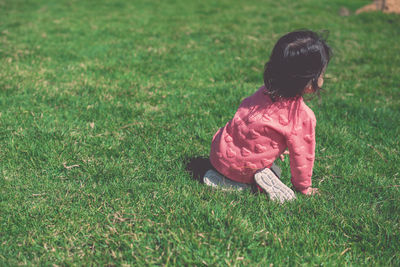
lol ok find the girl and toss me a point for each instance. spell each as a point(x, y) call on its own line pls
point(272, 119)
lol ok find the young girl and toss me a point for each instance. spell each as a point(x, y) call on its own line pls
point(274, 118)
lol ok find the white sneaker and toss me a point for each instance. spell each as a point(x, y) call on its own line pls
point(217, 180)
point(271, 184)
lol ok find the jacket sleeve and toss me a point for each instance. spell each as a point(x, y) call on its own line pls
point(301, 145)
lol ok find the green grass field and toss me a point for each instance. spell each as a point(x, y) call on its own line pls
point(104, 103)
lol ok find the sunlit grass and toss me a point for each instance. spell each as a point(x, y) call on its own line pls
point(103, 103)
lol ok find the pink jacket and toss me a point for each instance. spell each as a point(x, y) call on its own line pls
point(259, 132)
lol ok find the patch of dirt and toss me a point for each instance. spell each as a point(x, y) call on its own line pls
point(386, 6)
point(344, 12)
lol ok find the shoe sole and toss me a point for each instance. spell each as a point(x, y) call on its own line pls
point(216, 180)
point(275, 189)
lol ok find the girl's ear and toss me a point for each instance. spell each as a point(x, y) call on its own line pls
point(320, 81)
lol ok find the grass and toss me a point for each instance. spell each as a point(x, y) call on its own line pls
point(103, 104)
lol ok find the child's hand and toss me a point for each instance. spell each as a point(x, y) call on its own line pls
point(312, 191)
point(282, 156)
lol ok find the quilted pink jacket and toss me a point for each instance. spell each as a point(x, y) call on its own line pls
point(259, 132)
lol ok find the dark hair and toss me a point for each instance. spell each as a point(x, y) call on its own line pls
point(297, 59)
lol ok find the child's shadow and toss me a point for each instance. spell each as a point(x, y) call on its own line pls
point(197, 167)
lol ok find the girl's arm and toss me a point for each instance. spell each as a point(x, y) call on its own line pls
point(301, 147)
point(310, 191)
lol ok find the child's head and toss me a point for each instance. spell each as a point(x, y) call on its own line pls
point(297, 62)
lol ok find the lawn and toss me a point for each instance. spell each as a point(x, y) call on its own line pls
point(103, 104)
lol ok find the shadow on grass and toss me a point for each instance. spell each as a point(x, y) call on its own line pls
point(197, 167)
